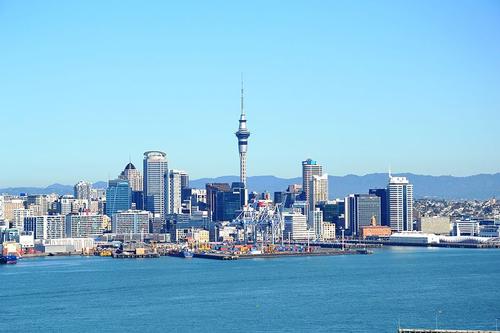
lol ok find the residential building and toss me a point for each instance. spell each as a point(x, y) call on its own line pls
point(130, 221)
point(46, 226)
point(84, 225)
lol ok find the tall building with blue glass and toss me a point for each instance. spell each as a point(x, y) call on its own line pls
point(118, 196)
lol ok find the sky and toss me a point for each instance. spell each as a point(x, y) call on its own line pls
point(356, 85)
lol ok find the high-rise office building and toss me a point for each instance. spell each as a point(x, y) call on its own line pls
point(82, 190)
point(360, 209)
point(175, 191)
point(156, 187)
point(242, 134)
point(133, 176)
point(333, 211)
point(318, 190)
point(118, 196)
point(310, 168)
point(229, 203)
point(184, 180)
point(384, 208)
point(400, 204)
point(211, 191)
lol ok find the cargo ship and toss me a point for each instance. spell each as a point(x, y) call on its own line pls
point(8, 259)
point(182, 254)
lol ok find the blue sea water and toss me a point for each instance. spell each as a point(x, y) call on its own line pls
point(322, 294)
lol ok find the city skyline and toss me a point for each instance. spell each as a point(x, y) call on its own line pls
point(426, 105)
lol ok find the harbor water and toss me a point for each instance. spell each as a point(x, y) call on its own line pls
point(355, 293)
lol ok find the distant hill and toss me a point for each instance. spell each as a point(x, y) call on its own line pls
point(481, 187)
point(54, 188)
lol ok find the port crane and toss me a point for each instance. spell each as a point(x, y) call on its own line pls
point(261, 222)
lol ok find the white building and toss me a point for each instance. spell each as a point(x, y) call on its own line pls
point(465, 228)
point(310, 168)
point(175, 191)
point(19, 215)
point(295, 226)
point(46, 226)
point(318, 190)
point(400, 202)
point(156, 183)
point(328, 231)
point(317, 226)
point(414, 238)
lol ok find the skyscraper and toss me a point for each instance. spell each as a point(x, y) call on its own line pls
point(118, 196)
point(184, 180)
point(384, 210)
point(156, 189)
point(400, 204)
point(310, 168)
point(175, 191)
point(133, 176)
point(212, 189)
point(82, 190)
point(242, 134)
point(318, 190)
point(359, 211)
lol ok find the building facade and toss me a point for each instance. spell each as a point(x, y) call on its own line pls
point(400, 204)
point(310, 168)
point(118, 196)
point(156, 197)
point(131, 221)
point(360, 210)
point(84, 226)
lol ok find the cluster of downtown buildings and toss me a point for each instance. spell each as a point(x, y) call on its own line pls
point(159, 204)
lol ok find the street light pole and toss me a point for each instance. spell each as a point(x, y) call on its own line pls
point(342, 239)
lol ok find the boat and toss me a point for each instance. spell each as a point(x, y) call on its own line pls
point(8, 259)
point(182, 254)
point(187, 254)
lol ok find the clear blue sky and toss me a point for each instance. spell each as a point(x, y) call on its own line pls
point(356, 85)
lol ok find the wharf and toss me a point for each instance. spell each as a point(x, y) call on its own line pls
point(125, 255)
point(228, 256)
point(423, 330)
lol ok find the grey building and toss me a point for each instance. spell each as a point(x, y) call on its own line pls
point(360, 209)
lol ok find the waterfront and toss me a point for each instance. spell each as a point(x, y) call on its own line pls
point(327, 294)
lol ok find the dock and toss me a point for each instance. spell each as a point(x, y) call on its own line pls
point(321, 252)
point(125, 255)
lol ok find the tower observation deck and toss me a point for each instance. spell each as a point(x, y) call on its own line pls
point(242, 134)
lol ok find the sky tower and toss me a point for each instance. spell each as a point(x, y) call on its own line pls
point(242, 134)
